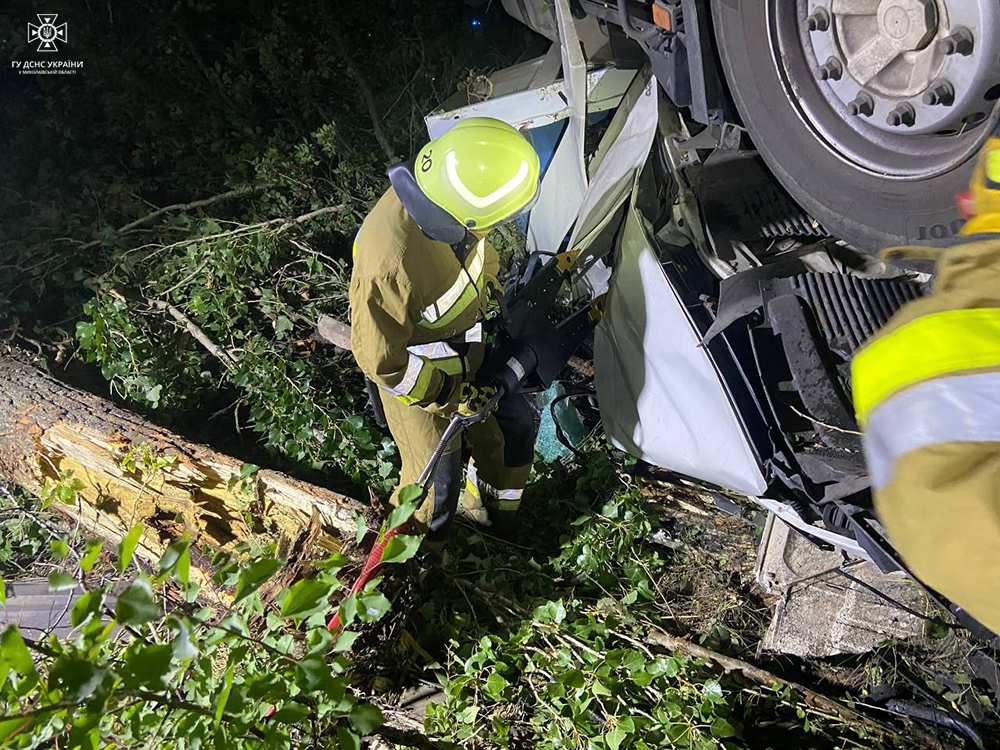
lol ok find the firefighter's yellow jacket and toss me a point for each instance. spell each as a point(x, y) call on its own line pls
point(416, 310)
point(927, 394)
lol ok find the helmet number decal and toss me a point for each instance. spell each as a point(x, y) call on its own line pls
point(426, 162)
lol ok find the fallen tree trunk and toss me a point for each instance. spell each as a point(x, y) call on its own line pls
point(48, 429)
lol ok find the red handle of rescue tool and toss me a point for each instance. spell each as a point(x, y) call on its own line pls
point(371, 566)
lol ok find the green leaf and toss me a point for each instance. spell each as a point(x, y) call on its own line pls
point(722, 729)
point(572, 679)
point(247, 471)
point(136, 605)
point(347, 740)
point(172, 555)
point(614, 738)
point(149, 665)
point(3, 591)
point(291, 713)
point(127, 547)
point(181, 646)
point(227, 688)
point(59, 581)
point(254, 575)
point(362, 529)
point(86, 607)
point(599, 688)
point(282, 325)
point(713, 690)
point(348, 610)
point(409, 498)
point(92, 551)
point(372, 606)
point(59, 548)
point(333, 563)
point(495, 685)
point(345, 640)
point(633, 661)
point(306, 597)
point(15, 653)
point(366, 718)
point(551, 612)
point(183, 569)
point(663, 665)
point(76, 678)
point(401, 548)
point(12, 726)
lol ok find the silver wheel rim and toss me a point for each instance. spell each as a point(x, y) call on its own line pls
point(829, 64)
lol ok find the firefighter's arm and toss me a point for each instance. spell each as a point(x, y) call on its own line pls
point(383, 314)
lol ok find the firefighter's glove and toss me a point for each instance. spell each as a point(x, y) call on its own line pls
point(492, 307)
point(474, 399)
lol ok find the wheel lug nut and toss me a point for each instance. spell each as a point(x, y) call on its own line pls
point(959, 42)
point(818, 20)
point(830, 70)
point(862, 104)
point(940, 92)
point(903, 114)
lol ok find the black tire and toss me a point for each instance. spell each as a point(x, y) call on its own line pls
point(869, 211)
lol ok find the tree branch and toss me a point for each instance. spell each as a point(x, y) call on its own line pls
point(202, 203)
point(186, 706)
point(400, 729)
point(149, 218)
point(213, 348)
point(366, 92)
point(332, 331)
point(816, 700)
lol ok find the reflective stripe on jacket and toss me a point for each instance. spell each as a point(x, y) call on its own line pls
point(927, 394)
point(414, 306)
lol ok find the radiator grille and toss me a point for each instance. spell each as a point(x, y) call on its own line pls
point(849, 309)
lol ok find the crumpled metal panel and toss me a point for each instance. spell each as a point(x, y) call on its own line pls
point(660, 396)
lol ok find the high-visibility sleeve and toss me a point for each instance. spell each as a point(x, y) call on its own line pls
point(381, 328)
point(926, 395)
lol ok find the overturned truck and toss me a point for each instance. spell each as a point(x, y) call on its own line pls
point(728, 175)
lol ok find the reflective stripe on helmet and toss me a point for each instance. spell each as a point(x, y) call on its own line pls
point(483, 201)
point(957, 409)
point(931, 346)
point(460, 294)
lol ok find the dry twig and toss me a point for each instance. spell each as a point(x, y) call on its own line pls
point(213, 348)
point(815, 700)
point(149, 218)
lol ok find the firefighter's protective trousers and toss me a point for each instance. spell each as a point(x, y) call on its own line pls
point(416, 330)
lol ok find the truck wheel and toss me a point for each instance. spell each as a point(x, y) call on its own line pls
point(870, 112)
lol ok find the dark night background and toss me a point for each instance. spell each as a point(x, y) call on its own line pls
point(178, 101)
point(299, 107)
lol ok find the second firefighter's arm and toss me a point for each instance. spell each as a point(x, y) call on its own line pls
point(382, 323)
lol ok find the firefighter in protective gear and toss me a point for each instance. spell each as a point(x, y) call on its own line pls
point(927, 395)
point(420, 293)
